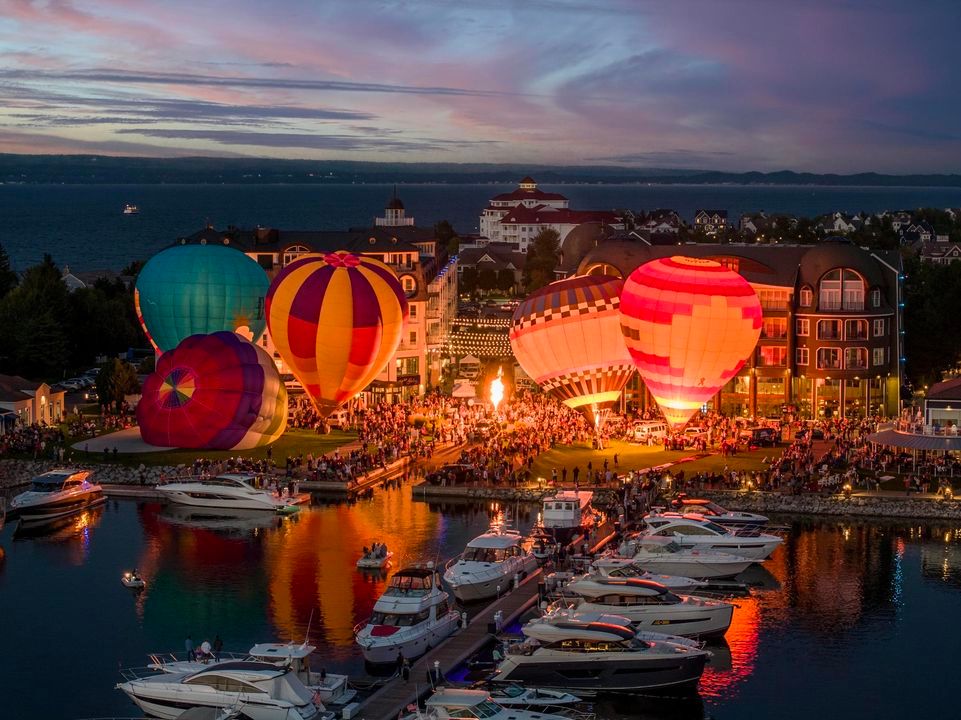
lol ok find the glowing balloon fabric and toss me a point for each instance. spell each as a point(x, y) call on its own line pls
point(216, 392)
point(689, 325)
point(336, 320)
point(567, 337)
point(191, 289)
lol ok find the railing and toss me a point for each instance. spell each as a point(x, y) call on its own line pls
point(919, 428)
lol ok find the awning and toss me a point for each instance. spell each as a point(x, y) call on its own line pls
point(912, 441)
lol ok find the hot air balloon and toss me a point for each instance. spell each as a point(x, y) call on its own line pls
point(567, 337)
point(216, 392)
point(336, 320)
point(198, 289)
point(689, 325)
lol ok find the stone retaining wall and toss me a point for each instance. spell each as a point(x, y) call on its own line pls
point(14, 473)
point(866, 506)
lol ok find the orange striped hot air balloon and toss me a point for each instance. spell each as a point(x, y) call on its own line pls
point(689, 325)
point(336, 320)
point(567, 337)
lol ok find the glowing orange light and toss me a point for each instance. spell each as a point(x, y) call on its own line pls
point(497, 389)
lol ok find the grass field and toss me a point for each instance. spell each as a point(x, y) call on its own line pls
point(293, 442)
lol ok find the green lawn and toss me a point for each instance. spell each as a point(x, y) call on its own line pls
point(292, 442)
point(632, 456)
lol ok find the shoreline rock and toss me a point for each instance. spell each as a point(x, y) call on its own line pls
point(836, 505)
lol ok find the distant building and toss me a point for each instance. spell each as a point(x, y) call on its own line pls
point(711, 222)
point(518, 216)
point(831, 339)
point(394, 214)
point(496, 257)
point(30, 402)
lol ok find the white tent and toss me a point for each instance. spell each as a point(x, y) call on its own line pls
point(463, 389)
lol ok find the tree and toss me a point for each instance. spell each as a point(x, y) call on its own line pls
point(468, 280)
point(505, 279)
point(487, 279)
point(543, 255)
point(446, 235)
point(8, 278)
point(116, 380)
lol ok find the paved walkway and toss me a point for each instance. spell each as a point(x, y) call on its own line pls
point(127, 441)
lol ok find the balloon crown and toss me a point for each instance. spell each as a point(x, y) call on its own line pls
point(341, 259)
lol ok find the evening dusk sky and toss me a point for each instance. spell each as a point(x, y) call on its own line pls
point(821, 86)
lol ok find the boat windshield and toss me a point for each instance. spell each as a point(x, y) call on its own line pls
point(48, 485)
point(488, 555)
point(399, 620)
point(407, 586)
point(627, 571)
point(716, 528)
point(486, 709)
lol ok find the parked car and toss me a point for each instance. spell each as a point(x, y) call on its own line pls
point(651, 430)
point(692, 434)
point(339, 420)
point(760, 436)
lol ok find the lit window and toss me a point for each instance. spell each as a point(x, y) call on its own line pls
point(855, 329)
point(841, 290)
point(856, 358)
point(772, 356)
point(413, 337)
point(879, 356)
point(879, 327)
point(829, 358)
point(807, 297)
point(294, 252)
point(829, 329)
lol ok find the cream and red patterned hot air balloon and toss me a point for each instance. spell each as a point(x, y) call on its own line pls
point(336, 320)
point(689, 325)
point(567, 337)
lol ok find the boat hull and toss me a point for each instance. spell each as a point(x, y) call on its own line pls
point(384, 652)
point(209, 500)
point(170, 709)
point(694, 620)
point(60, 507)
point(694, 569)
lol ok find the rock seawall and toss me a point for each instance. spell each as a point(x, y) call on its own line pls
point(865, 506)
point(14, 473)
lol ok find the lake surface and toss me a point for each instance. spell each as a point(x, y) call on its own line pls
point(848, 619)
point(83, 226)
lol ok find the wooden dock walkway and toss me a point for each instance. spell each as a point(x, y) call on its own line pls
point(386, 703)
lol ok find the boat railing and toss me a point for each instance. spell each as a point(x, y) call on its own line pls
point(160, 660)
point(131, 674)
point(406, 631)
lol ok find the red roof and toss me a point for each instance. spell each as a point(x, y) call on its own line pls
point(534, 194)
point(521, 215)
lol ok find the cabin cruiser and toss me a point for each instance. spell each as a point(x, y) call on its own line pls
point(664, 555)
point(591, 656)
point(489, 565)
point(262, 691)
point(567, 513)
point(332, 689)
point(222, 491)
point(619, 567)
point(721, 515)
point(649, 605)
point(693, 530)
point(56, 494)
point(448, 703)
point(412, 616)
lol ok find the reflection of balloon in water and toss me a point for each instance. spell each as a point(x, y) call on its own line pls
point(567, 337)
point(193, 289)
point(217, 392)
point(336, 320)
point(689, 325)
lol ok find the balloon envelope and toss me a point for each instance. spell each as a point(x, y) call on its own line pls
point(567, 337)
point(216, 392)
point(336, 320)
point(199, 289)
point(689, 324)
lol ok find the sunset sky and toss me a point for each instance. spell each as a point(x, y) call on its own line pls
point(840, 86)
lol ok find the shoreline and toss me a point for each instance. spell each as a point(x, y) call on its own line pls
point(868, 506)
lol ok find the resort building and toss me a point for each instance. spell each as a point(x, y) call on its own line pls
point(518, 216)
point(832, 336)
point(426, 272)
point(29, 402)
point(711, 222)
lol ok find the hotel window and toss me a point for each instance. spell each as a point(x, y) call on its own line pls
point(773, 299)
point(829, 329)
point(856, 358)
point(774, 328)
point(829, 358)
point(772, 356)
point(802, 327)
point(412, 338)
point(408, 282)
point(807, 297)
point(841, 289)
point(294, 252)
point(413, 311)
point(801, 355)
point(855, 329)
point(879, 328)
point(875, 298)
point(879, 356)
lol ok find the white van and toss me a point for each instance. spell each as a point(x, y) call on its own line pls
point(651, 430)
point(339, 419)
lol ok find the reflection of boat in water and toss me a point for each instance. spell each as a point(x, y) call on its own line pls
point(222, 519)
point(759, 577)
point(59, 528)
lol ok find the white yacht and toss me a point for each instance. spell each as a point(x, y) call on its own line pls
point(620, 567)
point(511, 695)
point(130, 209)
point(592, 657)
point(721, 515)
point(489, 564)
point(448, 703)
point(693, 530)
point(260, 690)
point(412, 616)
point(664, 555)
point(649, 605)
point(56, 494)
point(331, 688)
point(222, 491)
point(567, 513)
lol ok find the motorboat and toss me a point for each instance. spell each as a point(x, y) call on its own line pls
point(619, 567)
point(377, 557)
point(649, 605)
point(412, 616)
point(543, 545)
point(55, 494)
point(567, 513)
point(262, 691)
point(330, 688)
point(222, 491)
point(693, 530)
point(449, 703)
point(721, 515)
point(133, 580)
point(511, 695)
point(665, 555)
point(489, 564)
point(593, 657)
point(129, 209)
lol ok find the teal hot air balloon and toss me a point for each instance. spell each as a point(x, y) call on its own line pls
point(200, 289)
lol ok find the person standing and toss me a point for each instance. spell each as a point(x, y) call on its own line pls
point(400, 662)
point(218, 645)
point(189, 647)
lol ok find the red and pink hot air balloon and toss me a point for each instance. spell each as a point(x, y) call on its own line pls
point(689, 325)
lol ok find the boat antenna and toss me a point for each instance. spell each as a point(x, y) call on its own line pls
point(309, 621)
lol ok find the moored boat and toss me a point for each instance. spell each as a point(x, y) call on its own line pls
point(489, 565)
point(56, 494)
point(222, 491)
